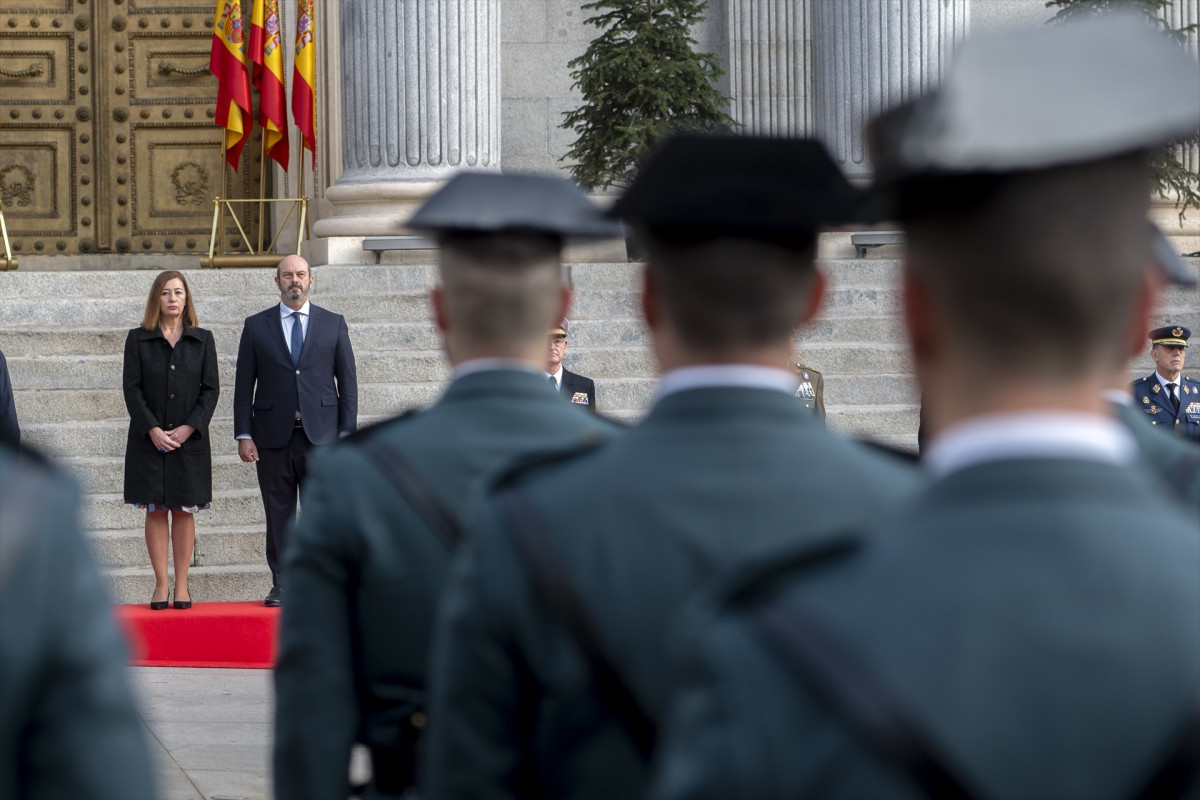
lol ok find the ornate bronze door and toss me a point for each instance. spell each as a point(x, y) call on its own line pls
point(107, 141)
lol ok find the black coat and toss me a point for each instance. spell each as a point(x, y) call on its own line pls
point(169, 387)
point(575, 385)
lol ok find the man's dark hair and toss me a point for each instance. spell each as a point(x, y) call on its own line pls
point(731, 293)
point(1037, 271)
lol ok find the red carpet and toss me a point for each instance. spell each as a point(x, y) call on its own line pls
point(241, 635)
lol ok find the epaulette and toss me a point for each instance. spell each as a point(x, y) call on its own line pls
point(1142, 379)
point(525, 464)
point(761, 577)
point(377, 427)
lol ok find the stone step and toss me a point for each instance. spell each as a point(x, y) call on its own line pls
point(227, 584)
point(230, 508)
point(215, 545)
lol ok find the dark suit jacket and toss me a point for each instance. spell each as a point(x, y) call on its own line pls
point(573, 383)
point(268, 388)
point(8, 409)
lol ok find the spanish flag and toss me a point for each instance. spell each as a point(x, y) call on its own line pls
point(304, 78)
point(228, 64)
point(267, 55)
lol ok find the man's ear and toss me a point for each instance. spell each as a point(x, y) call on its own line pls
point(437, 301)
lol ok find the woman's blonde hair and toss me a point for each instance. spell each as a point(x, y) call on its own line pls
point(154, 310)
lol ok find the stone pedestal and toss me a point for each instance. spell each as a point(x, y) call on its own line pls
point(420, 100)
point(868, 55)
point(768, 68)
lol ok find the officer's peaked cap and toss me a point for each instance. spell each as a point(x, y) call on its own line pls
point(487, 202)
point(1170, 334)
point(1044, 97)
point(703, 186)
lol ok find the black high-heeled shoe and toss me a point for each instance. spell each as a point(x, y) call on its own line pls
point(183, 605)
point(159, 605)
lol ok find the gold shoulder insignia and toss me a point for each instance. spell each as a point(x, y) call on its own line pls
point(1157, 386)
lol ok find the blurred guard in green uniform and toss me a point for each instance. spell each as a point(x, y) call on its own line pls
point(367, 561)
point(525, 703)
point(1030, 626)
point(68, 724)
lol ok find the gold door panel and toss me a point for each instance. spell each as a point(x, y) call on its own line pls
point(107, 141)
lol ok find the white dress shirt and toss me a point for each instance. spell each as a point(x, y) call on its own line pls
point(557, 377)
point(1033, 435)
point(744, 376)
point(287, 321)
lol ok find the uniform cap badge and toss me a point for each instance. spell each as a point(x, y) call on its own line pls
point(1177, 331)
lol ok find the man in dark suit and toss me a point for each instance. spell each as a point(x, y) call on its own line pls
point(576, 388)
point(1030, 625)
point(1170, 399)
point(370, 557)
point(726, 465)
point(295, 387)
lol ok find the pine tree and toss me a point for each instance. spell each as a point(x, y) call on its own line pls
point(641, 81)
point(1170, 175)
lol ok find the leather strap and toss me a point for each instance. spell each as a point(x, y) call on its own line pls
point(416, 489)
point(858, 698)
point(549, 578)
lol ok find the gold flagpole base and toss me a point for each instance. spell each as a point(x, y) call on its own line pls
point(264, 257)
point(242, 260)
point(7, 261)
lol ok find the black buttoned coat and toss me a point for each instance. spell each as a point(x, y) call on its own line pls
point(168, 387)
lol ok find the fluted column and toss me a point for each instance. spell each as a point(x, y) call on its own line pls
point(868, 55)
point(768, 66)
point(1181, 14)
point(420, 101)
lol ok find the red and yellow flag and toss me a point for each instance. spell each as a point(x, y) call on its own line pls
point(267, 55)
point(304, 77)
point(228, 64)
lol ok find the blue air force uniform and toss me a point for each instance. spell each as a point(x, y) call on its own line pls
point(1153, 392)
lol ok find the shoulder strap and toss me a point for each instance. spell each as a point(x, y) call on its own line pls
point(550, 581)
point(416, 489)
point(858, 698)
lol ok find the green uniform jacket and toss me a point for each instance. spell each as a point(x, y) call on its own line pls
point(1173, 462)
point(710, 477)
point(364, 570)
point(1038, 620)
point(68, 724)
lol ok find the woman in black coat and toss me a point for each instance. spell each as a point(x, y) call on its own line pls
point(171, 389)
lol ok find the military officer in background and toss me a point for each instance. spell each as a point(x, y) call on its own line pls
point(575, 388)
point(383, 511)
point(68, 724)
point(1007, 635)
point(1175, 461)
point(595, 554)
point(1170, 399)
point(811, 390)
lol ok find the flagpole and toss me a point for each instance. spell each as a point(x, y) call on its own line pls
point(224, 190)
point(262, 186)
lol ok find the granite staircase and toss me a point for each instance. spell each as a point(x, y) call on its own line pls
point(63, 335)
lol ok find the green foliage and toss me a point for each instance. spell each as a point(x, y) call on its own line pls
point(641, 81)
point(1171, 176)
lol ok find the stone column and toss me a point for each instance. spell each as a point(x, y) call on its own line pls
point(420, 100)
point(1185, 232)
point(868, 55)
point(768, 66)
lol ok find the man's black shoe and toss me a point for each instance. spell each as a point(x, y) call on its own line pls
point(274, 598)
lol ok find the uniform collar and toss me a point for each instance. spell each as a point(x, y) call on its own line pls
point(491, 365)
point(740, 376)
point(1046, 435)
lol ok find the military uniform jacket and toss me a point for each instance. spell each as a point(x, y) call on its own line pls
point(578, 389)
point(711, 476)
point(1173, 463)
point(1038, 620)
point(168, 387)
point(365, 570)
point(68, 724)
point(811, 390)
point(1152, 397)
